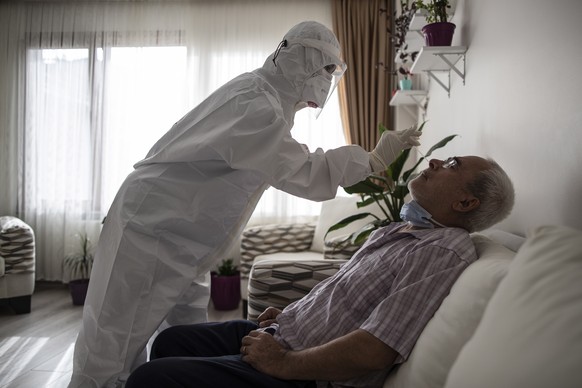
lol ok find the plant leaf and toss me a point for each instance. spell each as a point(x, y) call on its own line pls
point(346, 221)
point(364, 187)
point(406, 176)
point(440, 144)
point(395, 168)
point(366, 202)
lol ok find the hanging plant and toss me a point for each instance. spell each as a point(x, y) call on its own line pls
point(401, 27)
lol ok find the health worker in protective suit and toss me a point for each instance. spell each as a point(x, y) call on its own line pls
point(186, 203)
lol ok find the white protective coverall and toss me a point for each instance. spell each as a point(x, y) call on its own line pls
point(185, 204)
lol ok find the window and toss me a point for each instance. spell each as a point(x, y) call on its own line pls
point(102, 81)
point(91, 117)
point(94, 112)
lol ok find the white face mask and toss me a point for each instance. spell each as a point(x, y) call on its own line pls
point(316, 89)
point(416, 215)
point(300, 105)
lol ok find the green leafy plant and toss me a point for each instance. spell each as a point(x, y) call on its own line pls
point(227, 268)
point(79, 264)
point(389, 192)
point(436, 10)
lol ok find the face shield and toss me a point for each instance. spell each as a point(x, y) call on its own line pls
point(320, 86)
point(327, 71)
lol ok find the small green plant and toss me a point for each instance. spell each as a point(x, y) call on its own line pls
point(227, 268)
point(79, 264)
point(436, 10)
point(389, 192)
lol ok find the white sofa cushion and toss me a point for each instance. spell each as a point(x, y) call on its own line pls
point(455, 321)
point(531, 332)
point(304, 255)
point(335, 210)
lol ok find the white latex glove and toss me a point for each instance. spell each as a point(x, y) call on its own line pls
point(390, 145)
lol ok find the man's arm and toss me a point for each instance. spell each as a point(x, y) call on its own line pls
point(352, 355)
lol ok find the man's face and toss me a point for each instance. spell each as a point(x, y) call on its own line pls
point(444, 183)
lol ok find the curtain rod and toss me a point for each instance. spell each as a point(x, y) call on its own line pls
point(130, 1)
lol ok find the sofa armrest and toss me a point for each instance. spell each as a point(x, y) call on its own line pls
point(17, 245)
point(278, 283)
point(265, 239)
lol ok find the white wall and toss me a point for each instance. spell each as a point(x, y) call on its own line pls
point(521, 103)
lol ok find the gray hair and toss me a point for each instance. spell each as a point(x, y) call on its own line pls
point(496, 195)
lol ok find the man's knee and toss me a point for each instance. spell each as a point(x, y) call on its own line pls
point(164, 344)
point(147, 375)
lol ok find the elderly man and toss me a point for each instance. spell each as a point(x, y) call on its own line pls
point(352, 328)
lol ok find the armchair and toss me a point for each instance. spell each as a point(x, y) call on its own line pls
point(17, 262)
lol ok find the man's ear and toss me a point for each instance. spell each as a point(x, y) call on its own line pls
point(467, 204)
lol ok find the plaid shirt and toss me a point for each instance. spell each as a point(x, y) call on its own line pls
point(390, 288)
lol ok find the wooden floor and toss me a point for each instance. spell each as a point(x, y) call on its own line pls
point(36, 349)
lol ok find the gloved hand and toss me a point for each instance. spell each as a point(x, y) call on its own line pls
point(390, 145)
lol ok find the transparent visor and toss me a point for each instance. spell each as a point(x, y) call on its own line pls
point(334, 74)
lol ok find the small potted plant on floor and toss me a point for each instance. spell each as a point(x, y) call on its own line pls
point(225, 286)
point(439, 31)
point(78, 266)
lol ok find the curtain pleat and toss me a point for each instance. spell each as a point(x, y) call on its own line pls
point(364, 92)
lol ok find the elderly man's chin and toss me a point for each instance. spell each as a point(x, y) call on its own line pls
point(413, 185)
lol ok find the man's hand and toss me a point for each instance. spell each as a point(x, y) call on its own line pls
point(263, 353)
point(268, 317)
point(354, 354)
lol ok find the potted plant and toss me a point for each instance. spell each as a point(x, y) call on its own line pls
point(405, 83)
point(401, 27)
point(389, 192)
point(438, 31)
point(79, 265)
point(225, 286)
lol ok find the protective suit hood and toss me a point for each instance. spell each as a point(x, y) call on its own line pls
point(306, 65)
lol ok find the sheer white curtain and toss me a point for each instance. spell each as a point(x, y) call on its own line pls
point(88, 87)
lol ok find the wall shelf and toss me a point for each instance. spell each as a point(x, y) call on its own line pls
point(441, 59)
point(408, 98)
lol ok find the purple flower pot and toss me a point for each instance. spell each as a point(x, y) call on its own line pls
point(438, 34)
point(225, 291)
point(78, 290)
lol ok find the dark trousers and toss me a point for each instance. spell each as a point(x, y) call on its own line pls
point(204, 355)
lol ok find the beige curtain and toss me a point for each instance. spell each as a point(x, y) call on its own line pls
point(362, 30)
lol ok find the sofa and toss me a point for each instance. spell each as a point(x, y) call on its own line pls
point(301, 242)
point(511, 320)
point(17, 264)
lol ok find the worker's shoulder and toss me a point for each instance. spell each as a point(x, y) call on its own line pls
point(248, 85)
point(247, 93)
